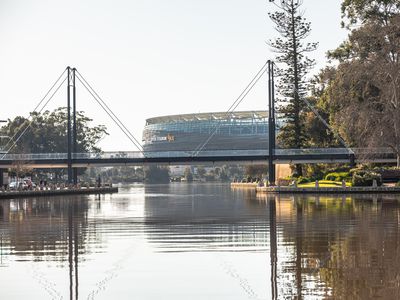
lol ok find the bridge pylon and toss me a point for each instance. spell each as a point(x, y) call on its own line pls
point(71, 125)
point(271, 124)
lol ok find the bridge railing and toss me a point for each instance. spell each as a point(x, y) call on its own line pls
point(33, 156)
point(186, 154)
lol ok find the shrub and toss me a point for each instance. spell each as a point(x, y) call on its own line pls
point(338, 176)
point(365, 178)
point(302, 180)
point(339, 169)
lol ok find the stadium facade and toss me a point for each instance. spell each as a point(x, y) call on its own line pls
point(246, 130)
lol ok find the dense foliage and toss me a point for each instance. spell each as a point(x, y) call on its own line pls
point(188, 174)
point(156, 174)
point(366, 178)
point(360, 95)
point(47, 133)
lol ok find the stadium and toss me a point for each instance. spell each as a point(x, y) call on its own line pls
point(244, 130)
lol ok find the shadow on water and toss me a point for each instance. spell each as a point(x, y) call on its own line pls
point(315, 246)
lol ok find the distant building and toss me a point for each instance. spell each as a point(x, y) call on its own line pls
point(244, 130)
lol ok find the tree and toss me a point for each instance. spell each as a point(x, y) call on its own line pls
point(223, 175)
point(47, 133)
point(362, 11)
point(364, 96)
point(291, 48)
point(234, 171)
point(155, 174)
point(201, 172)
point(256, 171)
point(188, 174)
point(320, 135)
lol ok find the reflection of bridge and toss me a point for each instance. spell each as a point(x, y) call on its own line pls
point(135, 158)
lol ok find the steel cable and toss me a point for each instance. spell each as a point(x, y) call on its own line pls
point(137, 143)
point(110, 114)
point(14, 142)
point(37, 106)
point(233, 107)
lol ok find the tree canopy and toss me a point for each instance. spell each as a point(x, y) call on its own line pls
point(47, 133)
point(361, 95)
point(362, 11)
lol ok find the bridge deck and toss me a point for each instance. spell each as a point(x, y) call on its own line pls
point(282, 156)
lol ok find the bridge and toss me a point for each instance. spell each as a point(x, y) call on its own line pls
point(137, 158)
point(72, 160)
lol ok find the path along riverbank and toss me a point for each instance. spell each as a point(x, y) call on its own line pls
point(57, 192)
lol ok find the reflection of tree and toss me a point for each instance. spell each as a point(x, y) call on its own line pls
point(49, 229)
point(340, 247)
point(39, 227)
point(365, 263)
point(273, 246)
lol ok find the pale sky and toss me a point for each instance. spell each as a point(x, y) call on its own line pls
point(146, 58)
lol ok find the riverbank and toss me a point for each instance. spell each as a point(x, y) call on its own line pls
point(328, 190)
point(314, 190)
point(60, 192)
point(242, 185)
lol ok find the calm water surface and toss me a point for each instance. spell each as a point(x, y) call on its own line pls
point(183, 241)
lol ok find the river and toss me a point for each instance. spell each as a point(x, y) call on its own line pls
point(200, 241)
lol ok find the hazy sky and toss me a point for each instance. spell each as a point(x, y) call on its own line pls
point(146, 58)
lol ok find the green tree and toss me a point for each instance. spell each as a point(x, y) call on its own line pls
point(362, 11)
point(223, 175)
point(234, 171)
point(256, 171)
point(319, 135)
point(291, 47)
point(156, 174)
point(363, 97)
point(201, 172)
point(47, 133)
point(188, 174)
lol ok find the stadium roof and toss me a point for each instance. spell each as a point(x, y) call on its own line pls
point(239, 115)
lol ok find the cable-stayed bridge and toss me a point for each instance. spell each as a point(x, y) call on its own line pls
point(72, 160)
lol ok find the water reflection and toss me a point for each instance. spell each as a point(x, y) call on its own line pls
point(238, 244)
point(204, 218)
point(337, 247)
point(273, 246)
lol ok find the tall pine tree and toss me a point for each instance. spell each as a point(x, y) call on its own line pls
point(294, 65)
